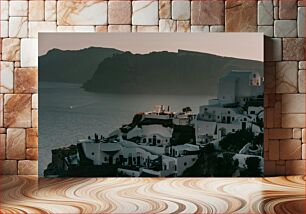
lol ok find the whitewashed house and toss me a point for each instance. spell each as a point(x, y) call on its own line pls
point(225, 114)
point(155, 135)
point(238, 86)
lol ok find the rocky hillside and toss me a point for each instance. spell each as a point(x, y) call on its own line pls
point(75, 66)
point(184, 72)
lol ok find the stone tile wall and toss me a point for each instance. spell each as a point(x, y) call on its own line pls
point(282, 21)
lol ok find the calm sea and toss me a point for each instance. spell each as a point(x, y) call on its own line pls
point(68, 113)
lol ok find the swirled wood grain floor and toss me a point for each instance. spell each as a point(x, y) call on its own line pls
point(27, 194)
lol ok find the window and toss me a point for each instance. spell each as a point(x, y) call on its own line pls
point(193, 159)
point(254, 75)
point(252, 112)
point(205, 109)
point(92, 153)
point(233, 118)
point(158, 141)
point(228, 112)
point(185, 164)
point(165, 167)
point(233, 130)
point(105, 158)
point(144, 140)
point(150, 140)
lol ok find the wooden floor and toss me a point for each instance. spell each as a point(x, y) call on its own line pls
point(139, 195)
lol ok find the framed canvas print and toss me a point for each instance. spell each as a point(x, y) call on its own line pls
point(151, 104)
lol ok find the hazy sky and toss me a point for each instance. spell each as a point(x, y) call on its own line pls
point(239, 45)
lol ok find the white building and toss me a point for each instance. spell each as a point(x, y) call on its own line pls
point(238, 86)
point(133, 159)
point(225, 114)
point(155, 135)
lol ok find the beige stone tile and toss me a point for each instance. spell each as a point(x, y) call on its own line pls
point(277, 114)
point(216, 28)
point(180, 10)
point(274, 150)
point(6, 77)
point(293, 103)
point(32, 138)
point(287, 9)
point(267, 30)
point(17, 64)
point(280, 133)
point(26, 80)
point(273, 49)
point(119, 12)
point(167, 25)
point(280, 170)
point(270, 77)
point(29, 52)
point(183, 26)
point(134, 28)
point(32, 154)
point(303, 151)
point(27, 167)
point(302, 82)
point(297, 133)
point(50, 10)
point(145, 29)
point(200, 28)
point(8, 167)
point(207, 12)
point(265, 12)
point(275, 13)
point(293, 49)
point(89, 12)
point(34, 118)
point(36, 10)
point(75, 29)
point(18, 8)
point(269, 168)
point(4, 29)
point(293, 120)
point(41, 26)
point(4, 10)
point(301, 21)
point(239, 16)
point(269, 117)
point(301, 3)
point(11, 49)
point(164, 9)
point(17, 110)
point(304, 135)
point(295, 167)
point(290, 149)
point(2, 130)
point(18, 27)
point(285, 28)
point(34, 101)
point(2, 146)
point(119, 28)
point(145, 12)
point(286, 77)
point(101, 28)
point(302, 65)
point(15, 144)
